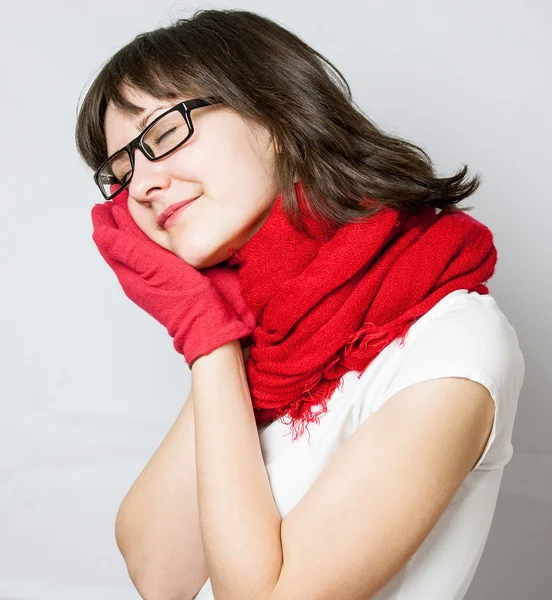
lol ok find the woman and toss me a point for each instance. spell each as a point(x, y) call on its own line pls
point(316, 275)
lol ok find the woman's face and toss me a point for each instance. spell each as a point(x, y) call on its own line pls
point(227, 162)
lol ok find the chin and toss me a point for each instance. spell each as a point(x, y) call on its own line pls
point(209, 261)
point(198, 260)
point(187, 257)
point(199, 250)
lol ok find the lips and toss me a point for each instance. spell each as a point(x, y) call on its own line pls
point(161, 219)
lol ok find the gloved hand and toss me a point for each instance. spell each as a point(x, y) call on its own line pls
point(197, 313)
point(225, 279)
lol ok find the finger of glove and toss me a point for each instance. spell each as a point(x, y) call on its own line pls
point(124, 220)
point(134, 287)
point(160, 266)
point(131, 246)
point(112, 242)
point(121, 247)
point(103, 222)
point(102, 216)
point(163, 306)
point(103, 253)
point(139, 292)
point(103, 238)
point(127, 277)
point(120, 199)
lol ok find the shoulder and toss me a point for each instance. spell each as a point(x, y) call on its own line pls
point(466, 335)
point(467, 331)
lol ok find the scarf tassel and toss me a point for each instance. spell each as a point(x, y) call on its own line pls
point(319, 388)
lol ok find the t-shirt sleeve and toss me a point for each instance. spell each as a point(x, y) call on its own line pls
point(473, 339)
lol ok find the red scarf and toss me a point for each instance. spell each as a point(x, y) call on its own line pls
point(329, 304)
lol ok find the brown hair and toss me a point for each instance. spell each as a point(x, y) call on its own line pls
point(269, 75)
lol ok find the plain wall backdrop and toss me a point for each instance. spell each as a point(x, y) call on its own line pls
point(91, 384)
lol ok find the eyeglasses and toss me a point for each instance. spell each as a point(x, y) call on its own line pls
point(161, 137)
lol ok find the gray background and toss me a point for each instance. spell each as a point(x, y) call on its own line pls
point(90, 384)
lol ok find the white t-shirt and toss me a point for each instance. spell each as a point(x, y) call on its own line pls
point(463, 335)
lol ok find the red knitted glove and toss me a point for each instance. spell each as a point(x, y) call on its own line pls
point(225, 279)
point(197, 316)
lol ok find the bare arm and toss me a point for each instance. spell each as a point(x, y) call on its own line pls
point(157, 527)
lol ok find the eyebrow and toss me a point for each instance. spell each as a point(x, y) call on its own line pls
point(143, 122)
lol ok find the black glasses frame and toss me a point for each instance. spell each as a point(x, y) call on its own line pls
point(184, 108)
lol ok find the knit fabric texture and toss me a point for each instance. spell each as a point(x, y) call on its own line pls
point(327, 301)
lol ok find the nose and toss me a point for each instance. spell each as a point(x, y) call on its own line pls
point(149, 178)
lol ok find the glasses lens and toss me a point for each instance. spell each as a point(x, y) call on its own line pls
point(166, 134)
point(115, 173)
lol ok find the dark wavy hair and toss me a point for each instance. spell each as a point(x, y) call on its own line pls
point(347, 165)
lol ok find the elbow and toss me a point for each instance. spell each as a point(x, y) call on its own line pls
point(155, 582)
point(154, 588)
point(159, 578)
